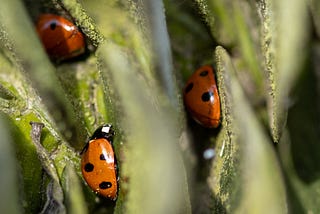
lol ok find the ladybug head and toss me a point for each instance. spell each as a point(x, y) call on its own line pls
point(104, 131)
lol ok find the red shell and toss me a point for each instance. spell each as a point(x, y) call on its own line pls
point(201, 97)
point(98, 166)
point(60, 37)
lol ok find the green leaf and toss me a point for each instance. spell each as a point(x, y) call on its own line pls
point(151, 134)
point(37, 68)
point(284, 46)
point(9, 200)
point(247, 152)
point(72, 189)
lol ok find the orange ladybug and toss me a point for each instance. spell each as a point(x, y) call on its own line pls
point(60, 37)
point(201, 97)
point(98, 163)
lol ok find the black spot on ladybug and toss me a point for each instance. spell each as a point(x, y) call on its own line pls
point(189, 87)
point(204, 73)
point(53, 25)
point(105, 185)
point(206, 96)
point(102, 157)
point(88, 167)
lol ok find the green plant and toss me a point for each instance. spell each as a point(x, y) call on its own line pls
point(266, 148)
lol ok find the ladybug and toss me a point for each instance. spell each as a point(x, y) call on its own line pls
point(98, 163)
point(60, 37)
point(201, 97)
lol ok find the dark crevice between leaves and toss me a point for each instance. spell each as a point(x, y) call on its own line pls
point(305, 138)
